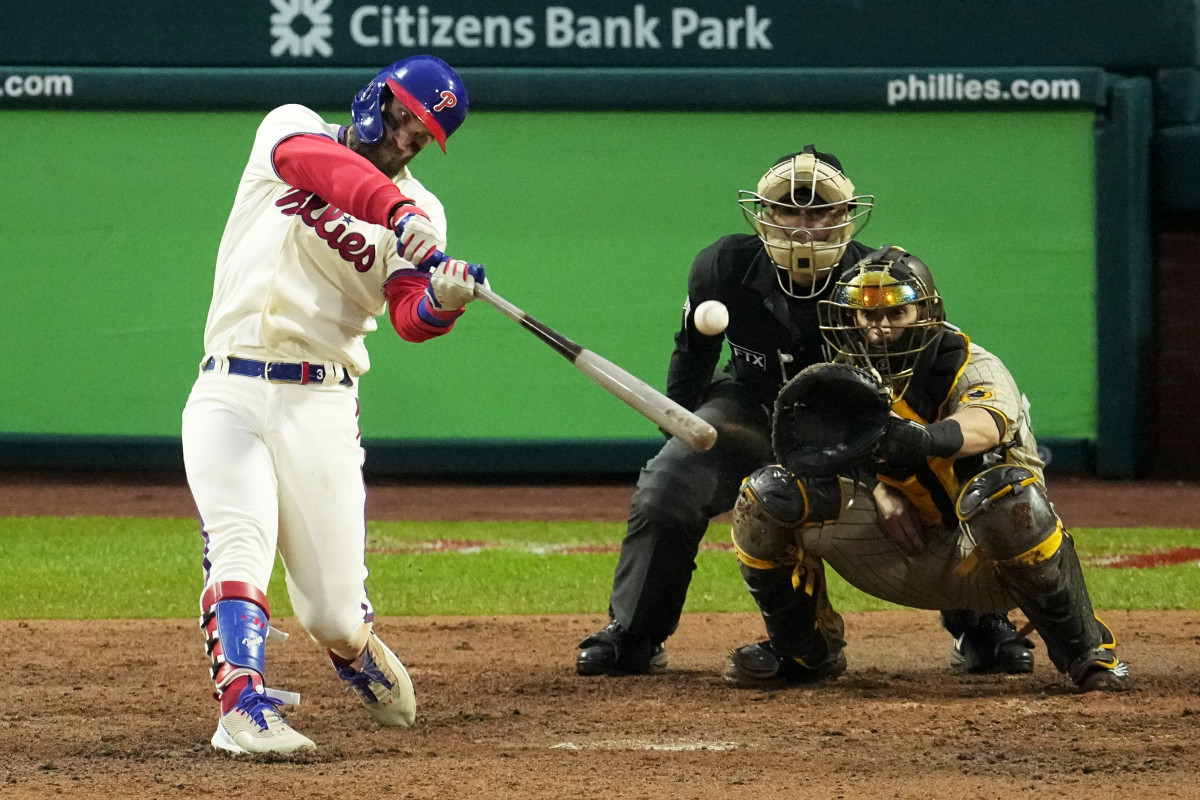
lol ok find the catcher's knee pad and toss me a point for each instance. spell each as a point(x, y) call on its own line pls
point(772, 505)
point(234, 618)
point(1007, 514)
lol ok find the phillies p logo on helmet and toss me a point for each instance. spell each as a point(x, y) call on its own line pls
point(427, 86)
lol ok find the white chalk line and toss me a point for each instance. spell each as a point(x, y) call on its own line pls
point(641, 744)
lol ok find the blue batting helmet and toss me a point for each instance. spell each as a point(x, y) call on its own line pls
point(426, 85)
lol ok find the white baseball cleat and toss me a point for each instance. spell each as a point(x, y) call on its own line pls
point(382, 683)
point(255, 727)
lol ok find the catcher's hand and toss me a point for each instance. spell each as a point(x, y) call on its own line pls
point(828, 420)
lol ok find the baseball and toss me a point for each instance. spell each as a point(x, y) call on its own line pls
point(711, 317)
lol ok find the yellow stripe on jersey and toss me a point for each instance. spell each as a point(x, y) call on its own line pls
point(958, 374)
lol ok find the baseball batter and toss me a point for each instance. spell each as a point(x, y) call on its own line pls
point(329, 229)
point(955, 515)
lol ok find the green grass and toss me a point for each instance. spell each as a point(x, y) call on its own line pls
point(104, 568)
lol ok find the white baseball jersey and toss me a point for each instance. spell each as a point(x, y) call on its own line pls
point(297, 279)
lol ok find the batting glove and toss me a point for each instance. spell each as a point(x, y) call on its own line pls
point(417, 241)
point(452, 284)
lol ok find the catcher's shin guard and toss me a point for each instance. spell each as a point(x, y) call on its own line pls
point(799, 619)
point(1052, 594)
point(1007, 513)
point(772, 506)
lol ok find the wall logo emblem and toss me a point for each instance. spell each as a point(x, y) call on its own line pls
point(301, 28)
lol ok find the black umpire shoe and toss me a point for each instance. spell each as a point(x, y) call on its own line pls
point(992, 645)
point(613, 651)
point(759, 666)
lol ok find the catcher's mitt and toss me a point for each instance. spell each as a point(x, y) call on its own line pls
point(828, 420)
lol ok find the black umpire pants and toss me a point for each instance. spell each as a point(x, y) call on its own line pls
point(678, 492)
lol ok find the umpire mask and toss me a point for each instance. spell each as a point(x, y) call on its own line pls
point(805, 211)
point(883, 314)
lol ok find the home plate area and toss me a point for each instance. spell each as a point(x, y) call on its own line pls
point(120, 708)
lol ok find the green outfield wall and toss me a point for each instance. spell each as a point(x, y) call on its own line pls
point(587, 220)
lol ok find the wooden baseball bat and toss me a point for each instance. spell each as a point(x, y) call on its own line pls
point(638, 395)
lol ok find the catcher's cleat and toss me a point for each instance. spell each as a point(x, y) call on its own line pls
point(382, 683)
point(612, 651)
point(254, 727)
point(1104, 673)
point(992, 645)
point(1100, 670)
point(759, 666)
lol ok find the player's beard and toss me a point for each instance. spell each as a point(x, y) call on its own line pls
point(386, 157)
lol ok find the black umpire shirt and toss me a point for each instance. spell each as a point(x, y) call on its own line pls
point(771, 335)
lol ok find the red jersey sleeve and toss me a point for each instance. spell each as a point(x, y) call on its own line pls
point(339, 176)
point(411, 314)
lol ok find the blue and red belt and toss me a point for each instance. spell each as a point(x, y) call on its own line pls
point(301, 372)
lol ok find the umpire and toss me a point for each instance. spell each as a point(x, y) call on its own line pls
point(805, 214)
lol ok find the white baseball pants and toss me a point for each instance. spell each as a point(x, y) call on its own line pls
point(276, 466)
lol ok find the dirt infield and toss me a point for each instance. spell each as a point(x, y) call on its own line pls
point(119, 708)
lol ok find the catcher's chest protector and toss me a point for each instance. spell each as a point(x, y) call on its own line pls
point(934, 487)
point(931, 385)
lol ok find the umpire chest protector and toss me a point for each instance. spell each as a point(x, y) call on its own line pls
point(771, 336)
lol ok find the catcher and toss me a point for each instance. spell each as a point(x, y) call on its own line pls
point(925, 490)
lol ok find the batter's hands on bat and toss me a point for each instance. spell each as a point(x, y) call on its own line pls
point(416, 238)
point(897, 517)
point(452, 284)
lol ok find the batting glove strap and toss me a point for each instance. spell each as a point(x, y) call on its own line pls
point(431, 314)
point(403, 209)
point(417, 241)
point(452, 284)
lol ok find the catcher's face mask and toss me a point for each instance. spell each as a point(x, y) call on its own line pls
point(805, 211)
point(883, 315)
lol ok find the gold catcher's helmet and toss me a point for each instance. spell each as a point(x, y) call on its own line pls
point(887, 278)
point(805, 212)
